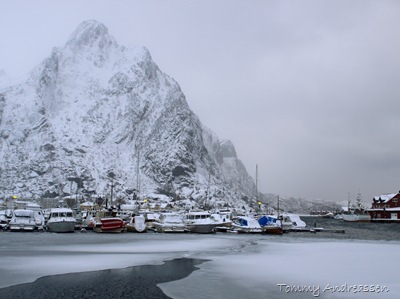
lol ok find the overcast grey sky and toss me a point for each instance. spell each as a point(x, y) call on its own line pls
point(308, 90)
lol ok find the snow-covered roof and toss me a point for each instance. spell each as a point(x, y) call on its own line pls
point(22, 213)
point(128, 207)
point(199, 213)
point(385, 197)
point(60, 210)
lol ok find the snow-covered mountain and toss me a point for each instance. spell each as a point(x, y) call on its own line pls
point(96, 112)
point(5, 79)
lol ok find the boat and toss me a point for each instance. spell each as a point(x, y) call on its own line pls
point(245, 224)
point(357, 216)
point(201, 222)
point(106, 222)
point(87, 219)
point(169, 222)
point(37, 211)
point(223, 217)
point(61, 220)
point(22, 220)
point(137, 224)
point(356, 213)
point(5, 217)
point(290, 221)
point(270, 225)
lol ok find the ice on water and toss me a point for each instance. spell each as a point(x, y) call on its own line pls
point(239, 266)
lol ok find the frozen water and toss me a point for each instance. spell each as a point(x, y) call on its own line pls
point(239, 265)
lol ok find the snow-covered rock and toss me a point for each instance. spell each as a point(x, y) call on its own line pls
point(95, 113)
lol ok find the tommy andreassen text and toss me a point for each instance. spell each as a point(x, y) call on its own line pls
point(344, 288)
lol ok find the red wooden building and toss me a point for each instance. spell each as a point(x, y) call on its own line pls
point(385, 208)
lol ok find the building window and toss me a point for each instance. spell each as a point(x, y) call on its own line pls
point(394, 200)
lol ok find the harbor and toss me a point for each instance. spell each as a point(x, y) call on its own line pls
point(217, 265)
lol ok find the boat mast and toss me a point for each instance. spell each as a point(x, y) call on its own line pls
point(348, 202)
point(208, 190)
point(137, 171)
point(278, 210)
point(257, 201)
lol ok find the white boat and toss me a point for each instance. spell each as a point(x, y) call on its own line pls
point(170, 223)
point(37, 211)
point(224, 220)
point(61, 221)
point(150, 217)
point(357, 216)
point(201, 222)
point(244, 224)
point(22, 220)
point(356, 213)
point(137, 224)
point(292, 222)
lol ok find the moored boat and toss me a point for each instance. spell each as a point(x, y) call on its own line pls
point(170, 223)
point(5, 217)
point(356, 213)
point(22, 220)
point(357, 216)
point(106, 222)
point(201, 222)
point(291, 221)
point(243, 224)
point(270, 225)
point(137, 224)
point(61, 220)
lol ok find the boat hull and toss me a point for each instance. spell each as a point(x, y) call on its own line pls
point(133, 228)
point(272, 230)
point(109, 225)
point(357, 217)
point(22, 227)
point(202, 228)
point(61, 226)
point(169, 228)
point(137, 225)
point(246, 230)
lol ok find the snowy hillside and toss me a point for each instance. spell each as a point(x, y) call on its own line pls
point(94, 111)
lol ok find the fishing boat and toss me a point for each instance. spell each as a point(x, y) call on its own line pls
point(22, 220)
point(201, 222)
point(244, 224)
point(137, 224)
point(170, 223)
point(106, 222)
point(356, 213)
point(61, 220)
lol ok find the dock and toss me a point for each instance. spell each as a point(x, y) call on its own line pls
point(316, 229)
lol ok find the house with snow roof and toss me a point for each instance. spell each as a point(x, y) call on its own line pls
point(385, 208)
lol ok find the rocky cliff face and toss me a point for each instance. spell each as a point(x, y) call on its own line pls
point(96, 112)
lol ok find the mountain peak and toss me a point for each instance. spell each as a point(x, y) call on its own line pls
point(90, 33)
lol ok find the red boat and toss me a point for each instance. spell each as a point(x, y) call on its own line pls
point(105, 222)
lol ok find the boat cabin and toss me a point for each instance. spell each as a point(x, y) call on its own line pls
point(385, 208)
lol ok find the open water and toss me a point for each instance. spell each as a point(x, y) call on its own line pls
point(353, 230)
